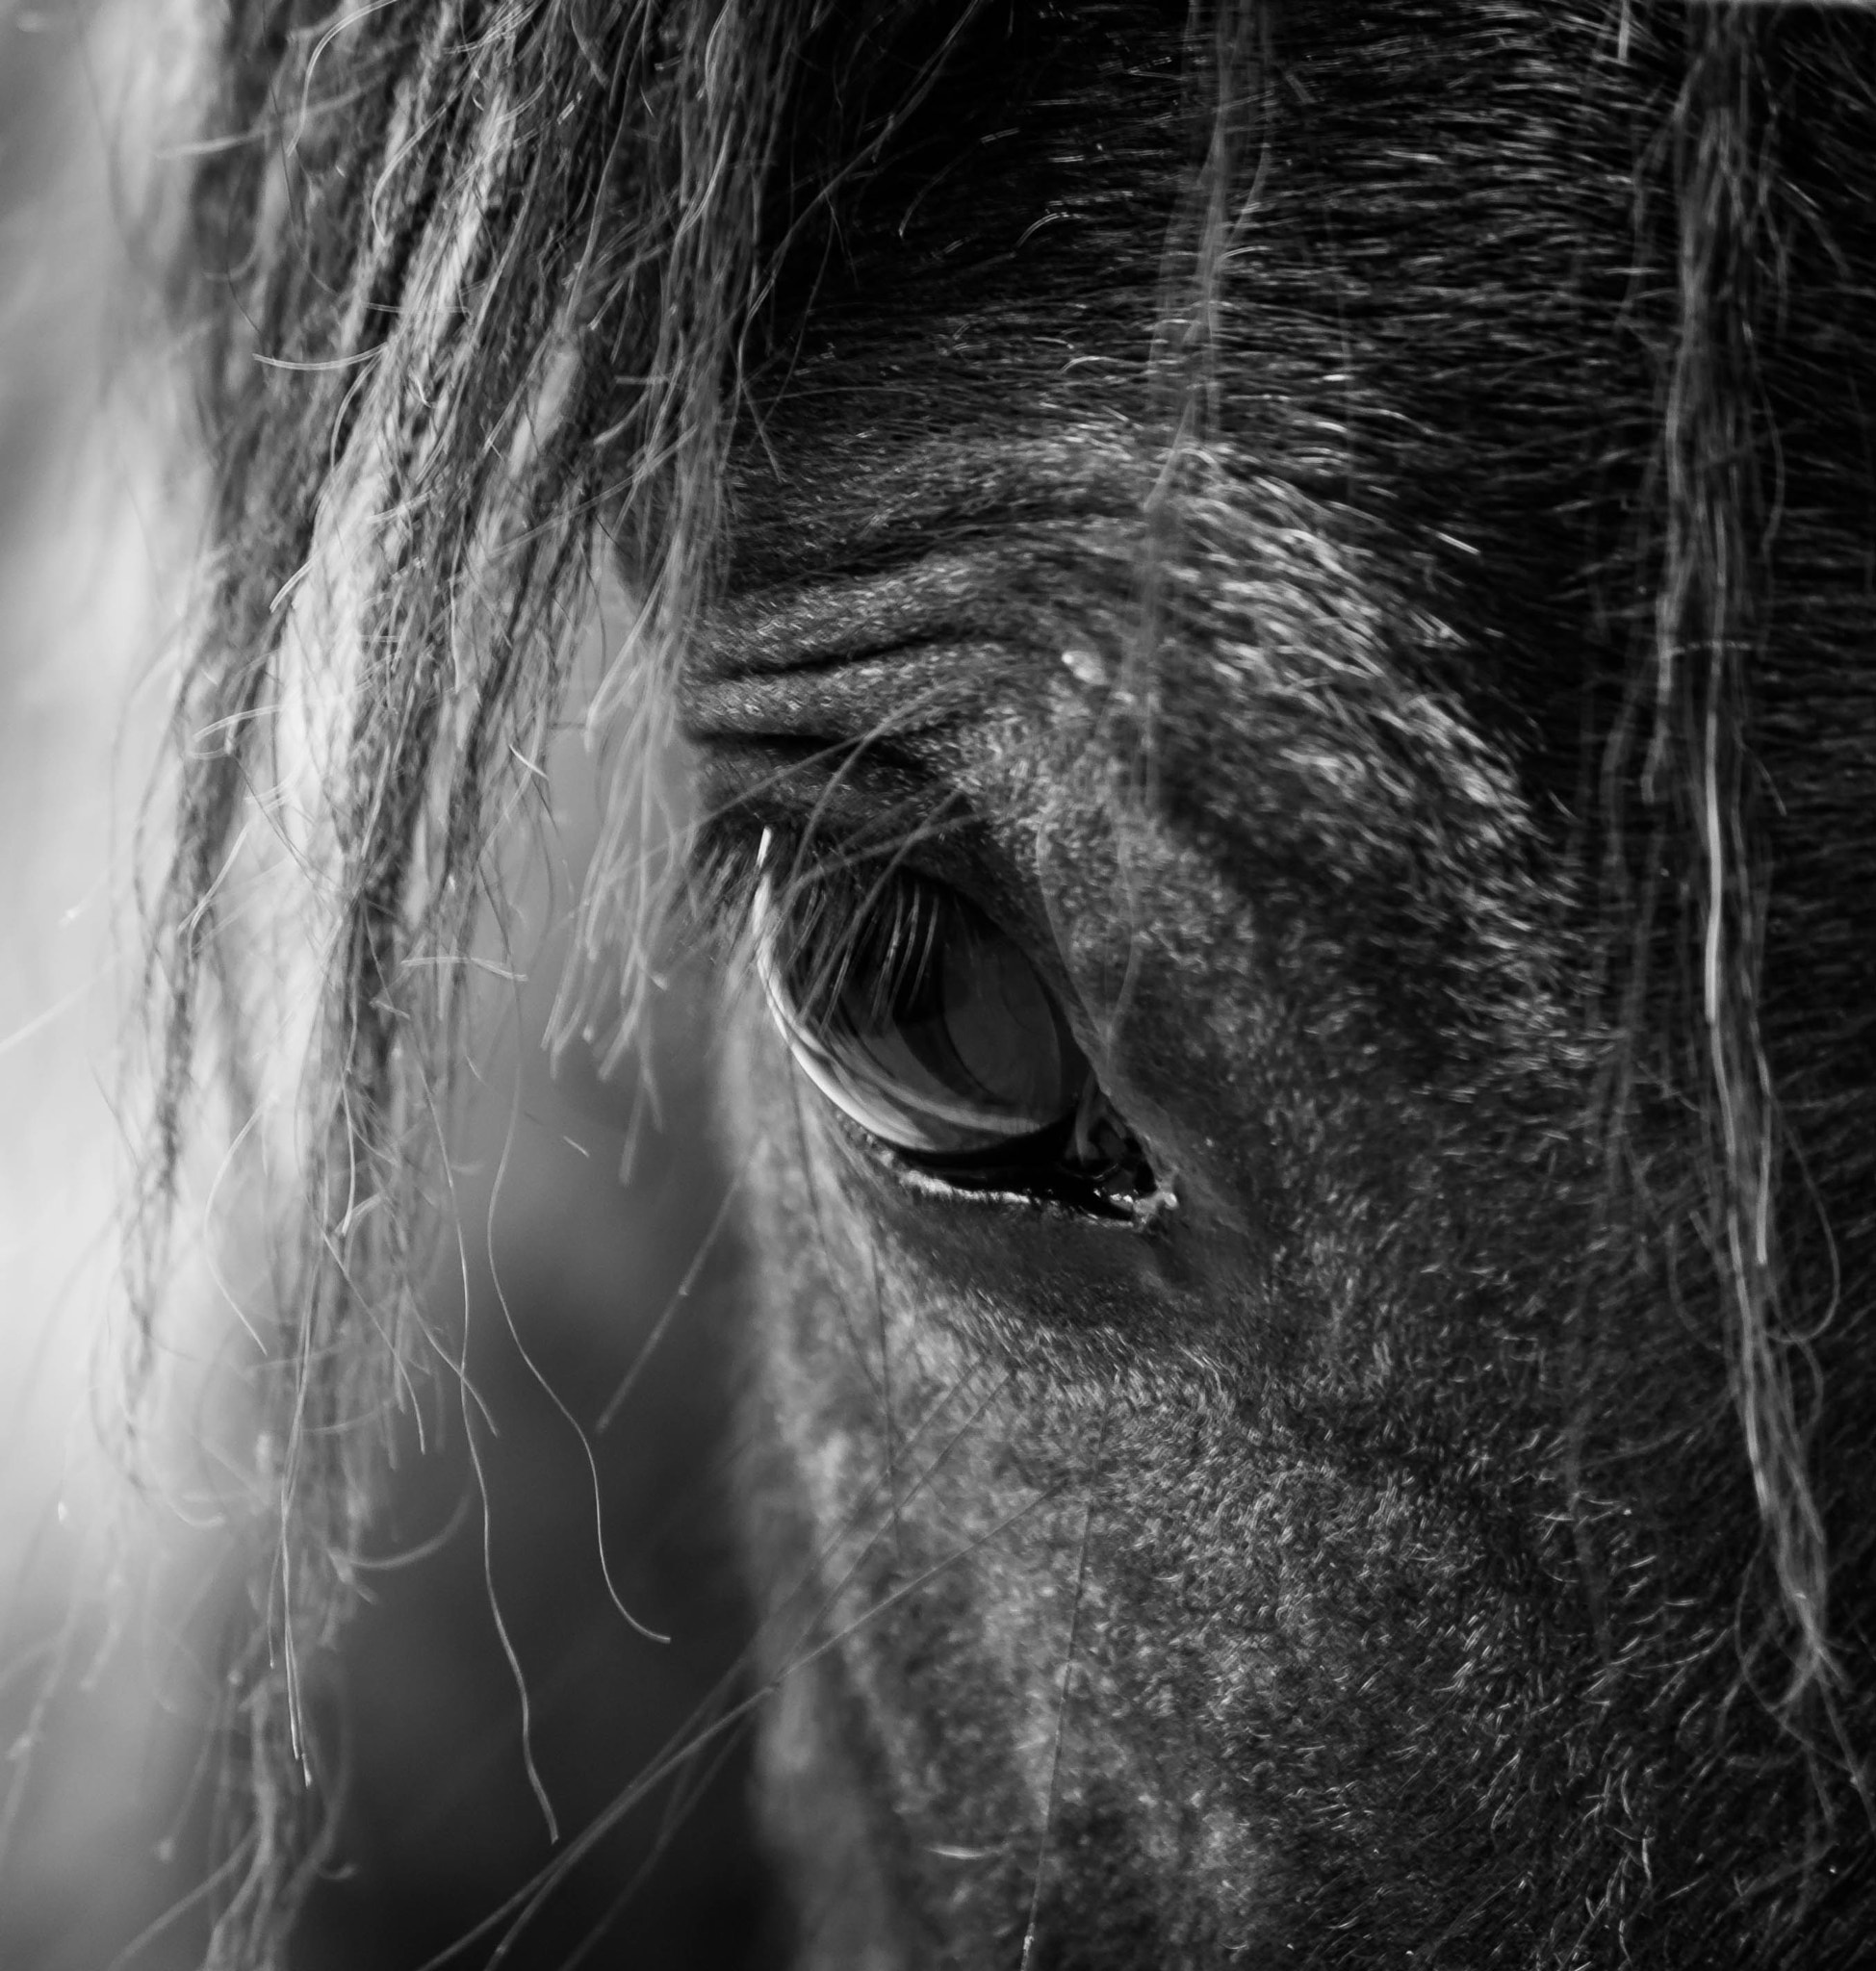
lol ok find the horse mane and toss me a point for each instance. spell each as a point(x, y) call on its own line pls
point(467, 287)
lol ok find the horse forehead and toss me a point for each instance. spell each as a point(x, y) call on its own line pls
point(1368, 486)
point(979, 407)
point(1045, 577)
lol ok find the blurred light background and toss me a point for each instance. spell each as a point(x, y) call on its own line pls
point(116, 1577)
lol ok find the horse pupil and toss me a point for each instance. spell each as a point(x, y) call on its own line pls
point(1002, 1030)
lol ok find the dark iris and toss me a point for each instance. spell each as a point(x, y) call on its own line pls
point(930, 1028)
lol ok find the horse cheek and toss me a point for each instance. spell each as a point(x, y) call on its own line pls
point(1053, 1628)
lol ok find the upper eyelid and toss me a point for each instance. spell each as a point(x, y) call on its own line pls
point(749, 867)
point(855, 807)
point(828, 828)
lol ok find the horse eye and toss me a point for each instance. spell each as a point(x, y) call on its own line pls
point(928, 1026)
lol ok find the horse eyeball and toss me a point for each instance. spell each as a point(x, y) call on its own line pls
point(929, 1028)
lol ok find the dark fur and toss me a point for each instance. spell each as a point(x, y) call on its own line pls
point(1440, 436)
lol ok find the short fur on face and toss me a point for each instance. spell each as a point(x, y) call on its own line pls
point(1346, 527)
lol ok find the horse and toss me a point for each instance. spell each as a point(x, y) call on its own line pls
point(1259, 608)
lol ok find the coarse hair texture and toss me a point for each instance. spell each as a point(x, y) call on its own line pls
point(467, 283)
